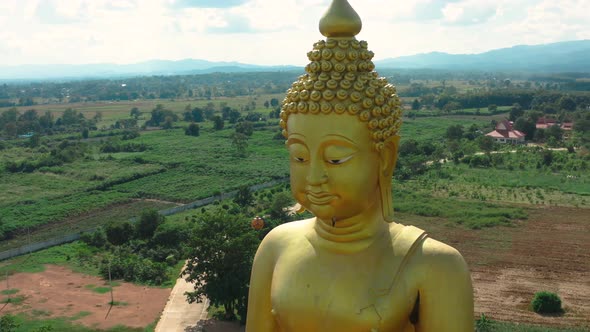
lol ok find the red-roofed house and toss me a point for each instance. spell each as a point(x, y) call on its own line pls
point(544, 123)
point(504, 133)
point(567, 126)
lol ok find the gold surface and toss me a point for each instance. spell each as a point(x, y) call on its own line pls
point(350, 268)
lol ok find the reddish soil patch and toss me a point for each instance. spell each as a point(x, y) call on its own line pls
point(548, 252)
point(62, 293)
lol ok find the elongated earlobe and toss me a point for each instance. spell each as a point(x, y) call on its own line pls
point(388, 161)
point(386, 197)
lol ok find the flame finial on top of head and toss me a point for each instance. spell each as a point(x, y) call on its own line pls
point(340, 21)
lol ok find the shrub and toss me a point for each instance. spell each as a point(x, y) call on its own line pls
point(546, 303)
point(98, 238)
point(119, 233)
point(192, 130)
point(483, 324)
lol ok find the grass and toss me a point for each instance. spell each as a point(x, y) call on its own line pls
point(79, 315)
point(14, 300)
point(9, 291)
point(27, 323)
point(71, 255)
point(471, 214)
point(98, 289)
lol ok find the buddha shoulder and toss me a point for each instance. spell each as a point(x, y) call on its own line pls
point(432, 257)
point(286, 234)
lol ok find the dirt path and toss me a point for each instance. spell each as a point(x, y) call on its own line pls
point(60, 292)
point(179, 315)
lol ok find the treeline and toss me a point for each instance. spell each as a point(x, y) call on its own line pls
point(155, 87)
point(14, 123)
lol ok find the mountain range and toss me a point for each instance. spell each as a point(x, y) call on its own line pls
point(570, 56)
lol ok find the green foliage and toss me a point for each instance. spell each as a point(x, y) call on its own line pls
point(162, 116)
point(244, 196)
point(218, 123)
point(96, 238)
point(9, 291)
point(483, 324)
point(471, 214)
point(124, 264)
point(8, 323)
point(170, 235)
point(245, 127)
point(240, 143)
point(148, 223)
point(223, 247)
point(546, 303)
point(119, 233)
point(192, 130)
point(279, 207)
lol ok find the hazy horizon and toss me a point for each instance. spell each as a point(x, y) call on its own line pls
point(259, 31)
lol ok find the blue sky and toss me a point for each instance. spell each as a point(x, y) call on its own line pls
point(272, 32)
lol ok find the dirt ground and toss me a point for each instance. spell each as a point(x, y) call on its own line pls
point(548, 252)
point(59, 292)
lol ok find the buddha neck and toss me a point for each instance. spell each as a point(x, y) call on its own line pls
point(352, 235)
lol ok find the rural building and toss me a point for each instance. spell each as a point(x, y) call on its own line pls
point(567, 126)
point(504, 133)
point(544, 123)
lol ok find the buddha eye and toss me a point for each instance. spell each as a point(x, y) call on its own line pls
point(339, 161)
point(299, 159)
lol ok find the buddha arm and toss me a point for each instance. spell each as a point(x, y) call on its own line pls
point(260, 318)
point(446, 294)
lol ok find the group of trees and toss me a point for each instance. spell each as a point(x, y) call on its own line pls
point(14, 123)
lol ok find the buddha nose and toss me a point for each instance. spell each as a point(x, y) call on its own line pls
point(317, 174)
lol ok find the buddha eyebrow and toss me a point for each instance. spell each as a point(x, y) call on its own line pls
point(296, 138)
point(332, 137)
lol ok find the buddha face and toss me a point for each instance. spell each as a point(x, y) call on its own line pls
point(334, 167)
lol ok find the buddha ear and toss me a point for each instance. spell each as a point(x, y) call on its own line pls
point(388, 156)
point(388, 159)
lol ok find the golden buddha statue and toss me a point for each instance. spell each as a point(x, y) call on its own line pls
point(350, 268)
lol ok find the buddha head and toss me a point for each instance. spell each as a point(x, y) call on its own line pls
point(341, 121)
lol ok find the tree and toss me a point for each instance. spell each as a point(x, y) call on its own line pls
point(492, 107)
point(451, 106)
point(240, 142)
point(274, 102)
point(244, 196)
point(416, 105)
point(486, 143)
point(554, 132)
point(527, 126)
point(223, 246)
point(279, 207)
point(266, 104)
point(515, 112)
point(119, 233)
point(34, 140)
point(245, 127)
point(567, 103)
point(218, 123)
point(192, 130)
point(147, 223)
point(135, 113)
point(454, 132)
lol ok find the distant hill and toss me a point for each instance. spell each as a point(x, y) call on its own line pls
point(153, 67)
point(570, 56)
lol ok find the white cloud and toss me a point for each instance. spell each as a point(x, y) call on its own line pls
point(270, 31)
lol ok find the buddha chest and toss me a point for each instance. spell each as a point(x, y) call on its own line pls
point(315, 290)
